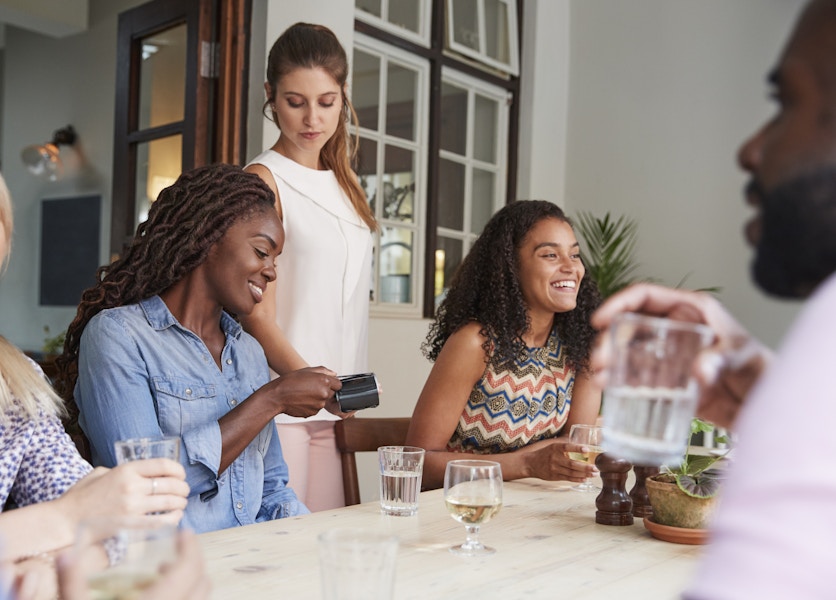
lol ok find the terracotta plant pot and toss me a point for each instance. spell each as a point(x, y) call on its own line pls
point(673, 507)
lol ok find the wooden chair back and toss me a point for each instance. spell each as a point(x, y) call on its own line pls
point(357, 434)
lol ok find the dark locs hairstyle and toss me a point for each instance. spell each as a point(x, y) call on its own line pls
point(486, 289)
point(186, 220)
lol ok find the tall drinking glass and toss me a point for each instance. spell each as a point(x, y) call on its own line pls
point(651, 394)
point(473, 494)
point(120, 557)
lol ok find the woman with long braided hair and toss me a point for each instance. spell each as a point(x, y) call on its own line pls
point(511, 344)
point(154, 349)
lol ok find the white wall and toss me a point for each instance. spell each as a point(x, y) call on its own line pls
point(48, 84)
point(661, 93)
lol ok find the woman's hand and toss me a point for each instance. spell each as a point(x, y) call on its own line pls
point(547, 460)
point(136, 488)
point(184, 579)
point(304, 392)
point(726, 370)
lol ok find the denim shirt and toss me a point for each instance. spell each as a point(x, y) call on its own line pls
point(142, 374)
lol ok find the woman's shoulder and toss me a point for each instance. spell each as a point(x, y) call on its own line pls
point(468, 337)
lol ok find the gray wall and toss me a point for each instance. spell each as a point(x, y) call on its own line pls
point(48, 84)
point(661, 94)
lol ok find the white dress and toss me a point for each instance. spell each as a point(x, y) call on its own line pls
point(324, 271)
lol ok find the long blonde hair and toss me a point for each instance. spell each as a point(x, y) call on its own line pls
point(22, 388)
point(305, 45)
point(7, 221)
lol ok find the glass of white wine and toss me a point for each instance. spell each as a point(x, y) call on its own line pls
point(120, 557)
point(473, 495)
point(590, 437)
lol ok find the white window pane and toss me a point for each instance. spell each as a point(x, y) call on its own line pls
point(399, 184)
point(400, 109)
point(406, 14)
point(453, 118)
point(466, 23)
point(484, 192)
point(484, 129)
point(496, 31)
point(396, 277)
point(451, 195)
point(448, 256)
point(370, 6)
point(365, 88)
point(367, 170)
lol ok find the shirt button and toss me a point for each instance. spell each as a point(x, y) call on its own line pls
point(188, 391)
point(233, 402)
point(239, 505)
point(229, 361)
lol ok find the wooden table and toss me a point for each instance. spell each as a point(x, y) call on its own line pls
point(548, 546)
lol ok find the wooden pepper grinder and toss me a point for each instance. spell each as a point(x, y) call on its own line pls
point(613, 503)
point(641, 502)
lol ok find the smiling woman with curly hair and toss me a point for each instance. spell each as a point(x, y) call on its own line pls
point(511, 344)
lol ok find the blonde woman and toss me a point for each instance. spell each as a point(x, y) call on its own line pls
point(42, 473)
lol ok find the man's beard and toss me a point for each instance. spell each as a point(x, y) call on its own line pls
point(797, 246)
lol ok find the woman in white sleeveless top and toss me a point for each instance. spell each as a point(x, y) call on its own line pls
point(317, 313)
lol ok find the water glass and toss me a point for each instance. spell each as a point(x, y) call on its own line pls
point(147, 447)
point(651, 394)
point(357, 564)
point(401, 468)
point(120, 557)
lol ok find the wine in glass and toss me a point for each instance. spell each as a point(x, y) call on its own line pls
point(120, 557)
point(473, 494)
point(590, 437)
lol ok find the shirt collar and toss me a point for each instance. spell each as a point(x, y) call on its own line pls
point(159, 317)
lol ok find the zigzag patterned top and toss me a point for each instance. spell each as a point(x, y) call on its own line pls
point(512, 407)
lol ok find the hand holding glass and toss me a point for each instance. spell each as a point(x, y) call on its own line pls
point(651, 394)
point(590, 437)
point(473, 494)
point(122, 557)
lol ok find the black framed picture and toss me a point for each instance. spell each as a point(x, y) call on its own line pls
point(69, 248)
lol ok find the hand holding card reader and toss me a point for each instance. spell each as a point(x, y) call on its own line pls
point(358, 392)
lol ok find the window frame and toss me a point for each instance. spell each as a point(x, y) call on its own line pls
point(388, 55)
point(439, 58)
point(511, 10)
point(382, 22)
point(475, 87)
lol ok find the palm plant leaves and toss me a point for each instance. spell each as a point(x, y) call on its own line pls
point(610, 250)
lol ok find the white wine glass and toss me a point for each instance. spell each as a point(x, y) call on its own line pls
point(473, 495)
point(590, 437)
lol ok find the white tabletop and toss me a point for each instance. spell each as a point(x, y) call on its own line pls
point(548, 546)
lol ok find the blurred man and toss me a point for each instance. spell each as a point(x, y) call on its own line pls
point(775, 531)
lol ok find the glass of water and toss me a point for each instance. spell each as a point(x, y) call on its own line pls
point(401, 468)
point(651, 394)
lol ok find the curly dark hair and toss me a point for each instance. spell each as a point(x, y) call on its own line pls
point(486, 289)
point(186, 220)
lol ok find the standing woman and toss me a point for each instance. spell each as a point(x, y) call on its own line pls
point(319, 315)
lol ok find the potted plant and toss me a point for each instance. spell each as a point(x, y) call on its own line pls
point(684, 495)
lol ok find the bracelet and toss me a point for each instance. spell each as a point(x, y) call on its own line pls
point(47, 557)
